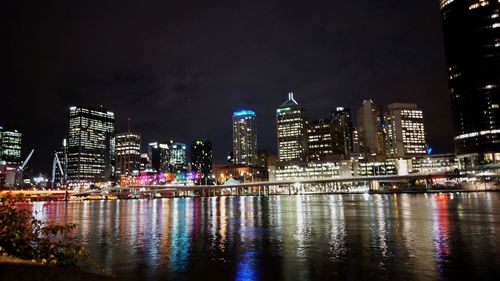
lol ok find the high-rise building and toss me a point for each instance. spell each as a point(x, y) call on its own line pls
point(201, 159)
point(128, 153)
point(145, 163)
point(244, 137)
point(178, 157)
point(90, 145)
point(292, 132)
point(320, 140)
point(370, 129)
point(159, 156)
point(357, 143)
point(343, 129)
point(472, 44)
point(404, 131)
point(10, 146)
point(62, 156)
point(265, 159)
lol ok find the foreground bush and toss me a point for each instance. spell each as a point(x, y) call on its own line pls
point(22, 236)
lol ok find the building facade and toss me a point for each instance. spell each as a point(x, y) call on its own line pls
point(292, 132)
point(178, 157)
point(145, 163)
point(343, 131)
point(320, 140)
point(244, 137)
point(472, 45)
point(201, 159)
point(10, 146)
point(128, 153)
point(404, 131)
point(90, 145)
point(158, 157)
point(370, 130)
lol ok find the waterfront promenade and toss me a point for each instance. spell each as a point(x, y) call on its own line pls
point(413, 183)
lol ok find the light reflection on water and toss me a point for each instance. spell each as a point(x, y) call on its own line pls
point(354, 237)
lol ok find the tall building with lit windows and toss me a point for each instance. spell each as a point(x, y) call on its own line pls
point(343, 130)
point(90, 145)
point(201, 159)
point(472, 44)
point(320, 140)
point(292, 132)
point(178, 157)
point(10, 146)
point(404, 131)
point(128, 153)
point(158, 157)
point(245, 137)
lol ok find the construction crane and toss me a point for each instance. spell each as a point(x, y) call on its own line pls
point(20, 169)
point(57, 164)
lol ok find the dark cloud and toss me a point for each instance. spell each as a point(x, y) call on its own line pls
point(179, 68)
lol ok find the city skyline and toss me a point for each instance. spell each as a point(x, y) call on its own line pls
point(146, 144)
point(93, 126)
point(335, 57)
point(250, 140)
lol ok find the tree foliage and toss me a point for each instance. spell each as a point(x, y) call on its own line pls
point(25, 237)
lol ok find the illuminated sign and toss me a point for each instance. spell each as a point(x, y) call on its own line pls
point(428, 149)
point(243, 113)
point(284, 109)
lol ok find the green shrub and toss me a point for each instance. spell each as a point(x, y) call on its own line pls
point(23, 236)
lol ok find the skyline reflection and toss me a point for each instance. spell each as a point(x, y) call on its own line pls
point(411, 237)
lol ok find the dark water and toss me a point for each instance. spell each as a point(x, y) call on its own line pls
point(320, 237)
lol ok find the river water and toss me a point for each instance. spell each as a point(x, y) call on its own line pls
point(451, 236)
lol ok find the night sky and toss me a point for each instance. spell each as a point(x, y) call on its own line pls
point(180, 68)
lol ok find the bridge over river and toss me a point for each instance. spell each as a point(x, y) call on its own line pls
point(380, 183)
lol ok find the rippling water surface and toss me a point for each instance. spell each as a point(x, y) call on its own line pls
point(319, 237)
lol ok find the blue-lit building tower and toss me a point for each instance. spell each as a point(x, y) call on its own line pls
point(245, 137)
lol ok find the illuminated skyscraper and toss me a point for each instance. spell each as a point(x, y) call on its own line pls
point(201, 159)
point(320, 140)
point(357, 143)
point(90, 145)
point(178, 157)
point(159, 156)
point(472, 44)
point(145, 163)
point(292, 132)
point(10, 146)
point(128, 153)
point(404, 131)
point(343, 130)
point(244, 137)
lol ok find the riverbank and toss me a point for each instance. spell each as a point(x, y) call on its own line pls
point(14, 269)
point(406, 190)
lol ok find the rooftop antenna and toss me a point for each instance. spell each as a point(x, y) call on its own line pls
point(290, 97)
point(129, 125)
